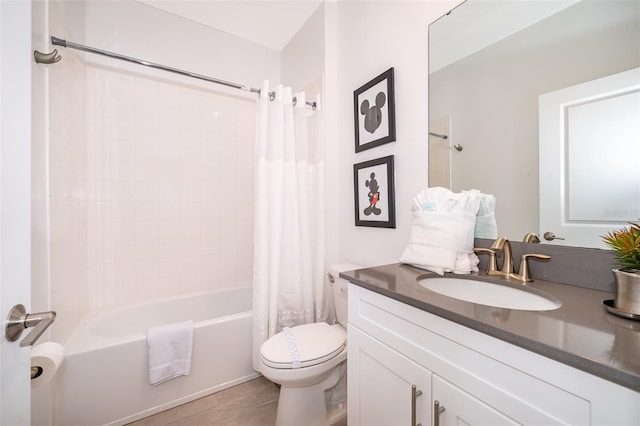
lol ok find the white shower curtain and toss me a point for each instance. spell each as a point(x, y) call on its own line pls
point(288, 258)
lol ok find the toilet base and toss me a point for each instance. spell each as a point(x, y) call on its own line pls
point(305, 405)
point(339, 414)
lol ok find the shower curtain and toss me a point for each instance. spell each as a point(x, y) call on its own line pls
point(288, 263)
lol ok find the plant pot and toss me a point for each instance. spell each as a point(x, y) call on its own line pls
point(625, 351)
point(627, 290)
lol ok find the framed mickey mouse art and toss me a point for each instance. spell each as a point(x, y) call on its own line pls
point(374, 112)
point(374, 193)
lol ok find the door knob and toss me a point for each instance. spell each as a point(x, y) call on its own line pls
point(550, 236)
point(18, 320)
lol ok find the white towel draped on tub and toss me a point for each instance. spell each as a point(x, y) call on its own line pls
point(170, 347)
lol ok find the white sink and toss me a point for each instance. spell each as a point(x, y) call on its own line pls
point(484, 293)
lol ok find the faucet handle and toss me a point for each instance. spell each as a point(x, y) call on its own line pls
point(523, 273)
point(493, 263)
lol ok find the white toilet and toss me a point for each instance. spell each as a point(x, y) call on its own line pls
point(307, 360)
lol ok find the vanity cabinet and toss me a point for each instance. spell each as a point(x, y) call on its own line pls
point(391, 389)
point(478, 379)
point(384, 381)
point(458, 407)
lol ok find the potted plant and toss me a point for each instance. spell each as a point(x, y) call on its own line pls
point(625, 243)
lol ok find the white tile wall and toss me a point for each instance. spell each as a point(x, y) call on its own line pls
point(169, 188)
point(150, 189)
point(67, 194)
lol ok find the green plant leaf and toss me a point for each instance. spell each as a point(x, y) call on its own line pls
point(625, 243)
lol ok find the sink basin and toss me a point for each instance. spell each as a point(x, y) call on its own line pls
point(485, 293)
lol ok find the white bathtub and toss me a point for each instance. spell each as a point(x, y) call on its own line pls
point(104, 378)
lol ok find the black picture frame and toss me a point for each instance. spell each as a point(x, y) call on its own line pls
point(374, 112)
point(374, 193)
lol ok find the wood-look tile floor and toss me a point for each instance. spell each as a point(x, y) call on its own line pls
point(253, 403)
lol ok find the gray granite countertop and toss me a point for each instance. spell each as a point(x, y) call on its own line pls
point(581, 333)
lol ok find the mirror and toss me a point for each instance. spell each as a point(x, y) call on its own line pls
point(489, 63)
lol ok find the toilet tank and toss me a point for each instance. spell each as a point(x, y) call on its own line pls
point(339, 289)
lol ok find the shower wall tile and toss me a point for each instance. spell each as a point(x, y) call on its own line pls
point(170, 187)
point(68, 228)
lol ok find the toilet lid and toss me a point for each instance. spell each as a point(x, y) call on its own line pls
point(303, 346)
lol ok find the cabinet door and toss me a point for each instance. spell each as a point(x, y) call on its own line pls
point(380, 384)
point(462, 408)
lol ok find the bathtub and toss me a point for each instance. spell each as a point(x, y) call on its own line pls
point(104, 378)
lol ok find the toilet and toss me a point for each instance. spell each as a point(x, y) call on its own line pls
point(309, 359)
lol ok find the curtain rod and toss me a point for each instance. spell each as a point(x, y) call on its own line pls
point(54, 57)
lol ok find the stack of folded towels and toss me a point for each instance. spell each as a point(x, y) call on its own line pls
point(486, 226)
point(442, 230)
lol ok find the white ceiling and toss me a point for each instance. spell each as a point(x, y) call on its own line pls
point(270, 23)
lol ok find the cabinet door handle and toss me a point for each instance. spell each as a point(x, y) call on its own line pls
point(415, 393)
point(437, 410)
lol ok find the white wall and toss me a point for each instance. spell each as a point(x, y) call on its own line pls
point(303, 56)
point(135, 29)
point(364, 39)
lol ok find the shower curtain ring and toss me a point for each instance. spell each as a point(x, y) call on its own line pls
point(46, 58)
point(272, 96)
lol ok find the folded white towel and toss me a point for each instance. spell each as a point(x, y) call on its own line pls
point(441, 237)
point(441, 242)
point(434, 199)
point(466, 263)
point(170, 347)
point(486, 226)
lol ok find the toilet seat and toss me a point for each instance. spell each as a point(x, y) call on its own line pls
point(303, 346)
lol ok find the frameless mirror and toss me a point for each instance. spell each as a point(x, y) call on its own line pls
point(490, 64)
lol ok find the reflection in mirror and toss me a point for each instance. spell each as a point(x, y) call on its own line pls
point(588, 132)
point(488, 69)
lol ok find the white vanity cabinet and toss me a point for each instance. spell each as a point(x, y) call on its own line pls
point(390, 387)
point(478, 379)
point(458, 407)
